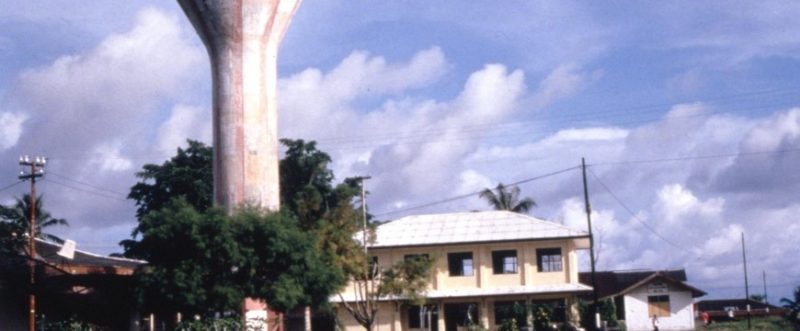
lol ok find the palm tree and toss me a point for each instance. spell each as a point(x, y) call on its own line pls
point(18, 218)
point(503, 198)
point(793, 305)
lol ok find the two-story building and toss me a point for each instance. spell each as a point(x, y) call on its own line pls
point(488, 267)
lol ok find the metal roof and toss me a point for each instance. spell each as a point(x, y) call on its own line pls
point(48, 252)
point(469, 227)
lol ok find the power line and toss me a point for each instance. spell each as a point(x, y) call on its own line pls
point(699, 157)
point(10, 185)
point(463, 196)
point(85, 191)
point(86, 184)
point(636, 217)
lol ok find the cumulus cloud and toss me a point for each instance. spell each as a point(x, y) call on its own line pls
point(722, 241)
point(184, 122)
point(10, 129)
point(768, 149)
point(563, 81)
point(113, 90)
point(92, 113)
point(677, 204)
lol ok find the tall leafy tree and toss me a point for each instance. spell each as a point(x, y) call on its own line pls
point(505, 198)
point(317, 214)
point(16, 219)
point(208, 262)
point(188, 174)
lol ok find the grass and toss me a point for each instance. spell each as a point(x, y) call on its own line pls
point(772, 323)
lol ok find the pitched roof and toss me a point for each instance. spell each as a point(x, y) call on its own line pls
point(84, 262)
point(470, 227)
point(613, 283)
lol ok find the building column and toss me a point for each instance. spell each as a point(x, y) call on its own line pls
point(484, 312)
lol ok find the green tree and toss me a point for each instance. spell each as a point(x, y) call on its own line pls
point(297, 257)
point(188, 174)
point(323, 213)
point(16, 220)
point(793, 306)
point(504, 198)
point(208, 262)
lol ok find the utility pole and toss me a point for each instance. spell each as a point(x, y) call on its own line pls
point(764, 279)
point(37, 170)
point(746, 286)
point(361, 179)
point(367, 272)
point(595, 305)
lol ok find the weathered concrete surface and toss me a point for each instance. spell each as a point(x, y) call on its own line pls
point(242, 39)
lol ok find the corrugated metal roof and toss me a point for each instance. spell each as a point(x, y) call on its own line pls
point(49, 252)
point(470, 227)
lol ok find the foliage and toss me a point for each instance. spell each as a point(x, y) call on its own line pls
point(282, 264)
point(504, 198)
point(202, 263)
point(541, 317)
point(16, 221)
point(608, 312)
point(793, 306)
point(188, 174)
point(215, 324)
point(407, 279)
point(509, 325)
point(771, 323)
point(757, 297)
point(72, 324)
point(190, 255)
point(297, 257)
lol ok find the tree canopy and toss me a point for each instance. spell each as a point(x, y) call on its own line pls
point(188, 175)
point(16, 219)
point(203, 261)
point(207, 262)
point(297, 257)
point(505, 198)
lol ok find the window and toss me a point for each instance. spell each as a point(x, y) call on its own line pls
point(460, 264)
point(504, 262)
point(505, 311)
point(421, 317)
point(658, 305)
point(549, 259)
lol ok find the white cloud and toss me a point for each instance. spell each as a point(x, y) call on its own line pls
point(677, 204)
point(185, 122)
point(10, 129)
point(114, 90)
point(562, 82)
point(94, 111)
point(723, 241)
point(108, 157)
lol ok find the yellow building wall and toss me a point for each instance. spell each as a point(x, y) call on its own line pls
point(392, 319)
point(483, 275)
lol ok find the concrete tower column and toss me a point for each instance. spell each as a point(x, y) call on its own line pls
point(242, 39)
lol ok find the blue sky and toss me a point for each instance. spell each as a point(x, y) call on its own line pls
point(687, 113)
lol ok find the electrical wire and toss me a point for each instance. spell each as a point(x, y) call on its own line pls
point(636, 217)
point(463, 196)
point(10, 185)
point(85, 184)
point(84, 190)
point(699, 157)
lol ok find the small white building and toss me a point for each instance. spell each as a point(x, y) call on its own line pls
point(641, 295)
